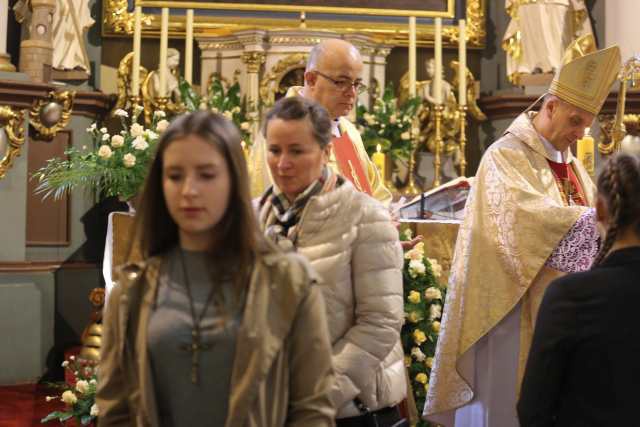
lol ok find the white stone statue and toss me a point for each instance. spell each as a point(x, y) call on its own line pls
point(173, 70)
point(539, 32)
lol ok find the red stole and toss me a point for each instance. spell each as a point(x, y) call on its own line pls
point(568, 183)
point(349, 163)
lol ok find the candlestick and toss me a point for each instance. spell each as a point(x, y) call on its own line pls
point(437, 79)
point(412, 56)
point(378, 158)
point(462, 63)
point(164, 45)
point(188, 48)
point(586, 152)
point(411, 189)
point(463, 138)
point(137, 42)
point(439, 108)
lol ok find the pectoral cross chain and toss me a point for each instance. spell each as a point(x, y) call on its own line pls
point(195, 347)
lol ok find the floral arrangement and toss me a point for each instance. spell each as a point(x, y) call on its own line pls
point(423, 301)
point(227, 102)
point(115, 166)
point(389, 124)
point(78, 395)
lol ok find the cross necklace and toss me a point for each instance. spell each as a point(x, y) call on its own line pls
point(196, 345)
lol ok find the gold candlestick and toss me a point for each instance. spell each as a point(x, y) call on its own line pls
point(462, 109)
point(135, 100)
point(162, 102)
point(438, 108)
point(411, 189)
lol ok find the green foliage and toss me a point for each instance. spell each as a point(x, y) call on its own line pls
point(388, 124)
point(423, 301)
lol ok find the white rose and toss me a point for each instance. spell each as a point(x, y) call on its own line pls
point(432, 293)
point(162, 125)
point(65, 363)
point(417, 354)
point(244, 126)
point(140, 143)
point(106, 136)
point(82, 386)
point(435, 312)
point(121, 113)
point(159, 114)
point(405, 136)
point(91, 128)
point(117, 141)
point(129, 160)
point(137, 129)
point(151, 134)
point(435, 267)
point(228, 115)
point(105, 152)
point(69, 397)
point(103, 130)
point(94, 412)
point(416, 268)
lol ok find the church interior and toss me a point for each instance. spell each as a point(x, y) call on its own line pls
point(441, 81)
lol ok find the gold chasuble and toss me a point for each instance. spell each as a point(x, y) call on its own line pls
point(515, 217)
point(261, 177)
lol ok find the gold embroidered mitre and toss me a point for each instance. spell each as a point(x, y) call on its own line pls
point(586, 74)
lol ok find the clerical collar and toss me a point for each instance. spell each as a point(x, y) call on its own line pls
point(335, 128)
point(553, 153)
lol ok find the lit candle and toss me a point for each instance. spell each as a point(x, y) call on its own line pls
point(188, 48)
point(437, 78)
point(586, 152)
point(462, 62)
point(412, 56)
point(378, 159)
point(137, 41)
point(164, 45)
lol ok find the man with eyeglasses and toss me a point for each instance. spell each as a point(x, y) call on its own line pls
point(333, 78)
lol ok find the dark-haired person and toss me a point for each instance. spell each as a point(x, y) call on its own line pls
point(583, 365)
point(217, 326)
point(349, 239)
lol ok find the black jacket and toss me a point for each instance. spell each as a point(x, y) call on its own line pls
point(584, 364)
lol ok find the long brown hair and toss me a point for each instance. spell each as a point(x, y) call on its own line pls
point(619, 185)
point(236, 234)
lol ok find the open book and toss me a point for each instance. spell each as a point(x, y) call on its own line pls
point(442, 203)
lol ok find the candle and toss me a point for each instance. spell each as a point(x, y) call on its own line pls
point(137, 41)
point(412, 56)
point(586, 152)
point(437, 78)
point(164, 45)
point(378, 159)
point(462, 62)
point(188, 48)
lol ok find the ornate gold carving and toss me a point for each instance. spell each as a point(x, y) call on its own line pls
point(631, 126)
point(299, 41)
point(49, 116)
point(476, 31)
point(271, 81)
point(12, 123)
point(254, 60)
point(118, 20)
point(220, 45)
point(125, 72)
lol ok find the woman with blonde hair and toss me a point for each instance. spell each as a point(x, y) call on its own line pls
point(217, 326)
point(351, 242)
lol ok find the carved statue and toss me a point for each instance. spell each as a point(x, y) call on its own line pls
point(125, 72)
point(530, 50)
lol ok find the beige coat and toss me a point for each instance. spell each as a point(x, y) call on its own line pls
point(282, 372)
point(351, 242)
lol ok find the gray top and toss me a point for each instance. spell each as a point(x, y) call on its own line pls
point(179, 401)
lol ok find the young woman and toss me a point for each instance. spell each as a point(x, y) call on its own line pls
point(216, 327)
point(351, 242)
point(583, 365)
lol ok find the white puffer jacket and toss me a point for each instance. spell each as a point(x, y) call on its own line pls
point(351, 242)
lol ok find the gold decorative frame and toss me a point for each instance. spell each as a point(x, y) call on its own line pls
point(65, 100)
point(12, 123)
point(119, 22)
point(271, 81)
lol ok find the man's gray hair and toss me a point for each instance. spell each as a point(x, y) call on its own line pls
point(314, 57)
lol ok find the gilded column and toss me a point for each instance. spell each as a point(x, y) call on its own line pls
point(253, 61)
point(36, 52)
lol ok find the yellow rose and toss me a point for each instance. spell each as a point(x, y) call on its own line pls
point(414, 297)
point(436, 327)
point(414, 317)
point(419, 337)
point(429, 362)
point(422, 378)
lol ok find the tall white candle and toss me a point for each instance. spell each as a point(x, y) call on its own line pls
point(437, 78)
point(462, 62)
point(188, 48)
point(412, 56)
point(137, 49)
point(164, 45)
point(4, 9)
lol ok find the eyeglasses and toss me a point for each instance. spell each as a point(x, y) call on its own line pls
point(345, 84)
